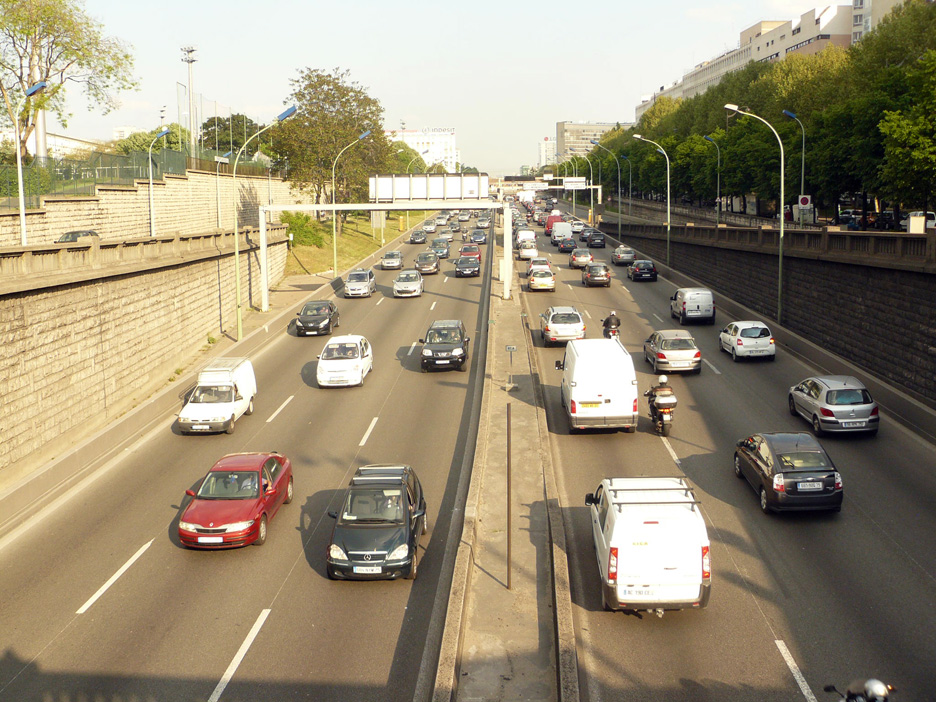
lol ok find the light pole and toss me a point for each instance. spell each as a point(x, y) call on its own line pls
point(334, 213)
point(717, 180)
point(32, 90)
point(744, 111)
point(591, 192)
point(218, 161)
point(614, 156)
point(412, 160)
point(575, 174)
point(660, 149)
point(149, 159)
point(289, 112)
point(802, 180)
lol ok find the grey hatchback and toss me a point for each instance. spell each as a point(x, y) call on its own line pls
point(835, 403)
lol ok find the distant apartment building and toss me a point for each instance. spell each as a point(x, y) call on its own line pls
point(866, 14)
point(577, 136)
point(438, 142)
point(123, 131)
point(547, 152)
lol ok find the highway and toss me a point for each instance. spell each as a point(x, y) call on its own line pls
point(798, 600)
point(102, 602)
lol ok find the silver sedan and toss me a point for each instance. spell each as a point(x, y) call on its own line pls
point(408, 283)
point(835, 403)
point(673, 350)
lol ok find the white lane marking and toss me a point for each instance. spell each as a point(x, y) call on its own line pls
point(588, 314)
point(658, 317)
point(714, 369)
point(123, 569)
point(380, 300)
point(411, 349)
point(672, 453)
point(445, 280)
point(797, 675)
point(281, 408)
point(239, 656)
point(367, 433)
point(432, 306)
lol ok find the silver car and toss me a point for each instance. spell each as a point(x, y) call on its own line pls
point(673, 350)
point(835, 403)
point(579, 258)
point(623, 256)
point(391, 259)
point(558, 324)
point(408, 283)
point(360, 283)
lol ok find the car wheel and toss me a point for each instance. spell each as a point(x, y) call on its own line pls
point(424, 369)
point(250, 407)
point(261, 532)
point(791, 405)
point(734, 355)
point(697, 371)
point(765, 508)
point(682, 319)
point(413, 568)
point(816, 426)
point(230, 429)
point(654, 364)
point(464, 366)
point(737, 467)
point(289, 492)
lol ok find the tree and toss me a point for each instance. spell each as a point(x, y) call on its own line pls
point(56, 42)
point(405, 157)
point(140, 141)
point(228, 134)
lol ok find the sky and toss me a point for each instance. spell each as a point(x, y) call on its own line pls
point(501, 73)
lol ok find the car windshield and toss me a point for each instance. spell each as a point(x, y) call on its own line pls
point(566, 318)
point(848, 397)
point(393, 254)
point(230, 485)
point(470, 249)
point(803, 460)
point(755, 333)
point(357, 278)
point(467, 260)
point(408, 277)
point(677, 345)
point(374, 505)
point(335, 352)
point(314, 308)
point(443, 336)
point(212, 394)
point(426, 257)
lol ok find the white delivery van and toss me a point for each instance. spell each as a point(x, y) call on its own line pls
point(693, 303)
point(524, 235)
point(599, 385)
point(560, 231)
point(651, 543)
point(224, 391)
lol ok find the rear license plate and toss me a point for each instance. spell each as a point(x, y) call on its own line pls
point(853, 424)
point(679, 364)
point(367, 569)
point(591, 404)
point(638, 593)
point(809, 486)
point(211, 539)
point(692, 313)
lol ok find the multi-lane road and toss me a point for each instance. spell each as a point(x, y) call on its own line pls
point(101, 601)
point(823, 598)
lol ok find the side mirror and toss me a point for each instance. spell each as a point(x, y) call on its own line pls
point(467, 339)
point(333, 514)
point(559, 365)
point(419, 513)
point(422, 341)
point(238, 398)
point(318, 358)
point(740, 443)
point(298, 314)
point(270, 491)
point(673, 297)
point(590, 498)
point(190, 493)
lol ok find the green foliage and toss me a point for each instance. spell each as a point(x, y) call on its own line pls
point(140, 141)
point(305, 230)
point(229, 134)
point(405, 159)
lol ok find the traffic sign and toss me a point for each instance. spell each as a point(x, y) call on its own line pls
point(805, 200)
point(574, 183)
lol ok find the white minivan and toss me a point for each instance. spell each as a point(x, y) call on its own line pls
point(694, 304)
point(599, 385)
point(560, 231)
point(224, 391)
point(651, 543)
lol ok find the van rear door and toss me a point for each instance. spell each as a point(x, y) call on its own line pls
point(659, 562)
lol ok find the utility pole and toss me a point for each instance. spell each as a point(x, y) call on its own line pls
point(187, 57)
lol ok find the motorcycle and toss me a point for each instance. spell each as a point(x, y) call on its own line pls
point(870, 690)
point(662, 407)
point(611, 333)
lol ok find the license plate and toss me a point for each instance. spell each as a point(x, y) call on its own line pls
point(809, 486)
point(692, 313)
point(757, 352)
point(441, 362)
point(853, 424)
point(200, 427)
point(211, 539)
point(639, 593)
point(591, 404)
point(679, 364)
point(367, 569)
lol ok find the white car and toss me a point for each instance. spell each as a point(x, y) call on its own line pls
point(441, 221)
point(538, 264)
point(527, 251)
point(558, 324)
point(429, 227)
point(345, 360)
point(408, 283)
point(747, 340)
point(577, 226)
point(391, 260)
point(541, 280)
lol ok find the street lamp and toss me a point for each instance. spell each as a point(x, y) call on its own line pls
point(218, 161)
point(421, 153)
point(614, 156)
point(717, 179)
point(575, 174)
point(744, 111)
point(159, 136)
point(591, 192)
point(660, 149)
point(802, 180)
point(288, 112)
point(32, 90)
point(362, 136)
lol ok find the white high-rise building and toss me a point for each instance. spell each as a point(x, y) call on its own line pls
point(438, 142)
point(547, 152)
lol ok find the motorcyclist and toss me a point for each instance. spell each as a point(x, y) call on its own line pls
point(661, 388)
point(612, 321)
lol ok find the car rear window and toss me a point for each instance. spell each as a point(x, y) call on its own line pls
point(803, 460)
point(566, 318)
point(848, 397)
point(755, 333)
point(678, 345)
point(542, 274)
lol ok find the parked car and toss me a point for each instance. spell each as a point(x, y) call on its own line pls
point(317, 317)
point(236, 500)
point(377, 529)
point(789, 471)
point(392, 260)
point(72, 237)
point(747, 340)
point(541, 280)
point(445, 346)
point(559, 324)
point(623, 255)
point(467, 266)
point(673, 350)
point(361, 282)
point(835, 403)
point(579, 258)
point(427, 263)
point(642, 270)
point(408, 283)
point(567, 246)
point(345, 360)
point(596, 274)
point(930, 219)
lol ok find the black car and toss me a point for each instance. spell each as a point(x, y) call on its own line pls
point(596, 240)
point(789, 471)
point(478, 236)
point(445, 346)
point(376, 534)
point(567, 245)
point(596, 274)
point(455, 226)
point(466, 266)
point(317, 317)
point(418, 236)
point(72, 237)
point(642, 270)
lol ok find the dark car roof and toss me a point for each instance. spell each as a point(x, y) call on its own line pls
point(781, 442)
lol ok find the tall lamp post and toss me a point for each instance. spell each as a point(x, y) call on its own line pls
point(660, 149)
point(717, 180)
point(32, 90)
point(802, 180)
point(412, 161)
point(218, 161)
point(591, 192)
point(614, 156)
point(289, 112)
point(361, 137)
point(746, 112)
point(575, 174)
point(149, 160)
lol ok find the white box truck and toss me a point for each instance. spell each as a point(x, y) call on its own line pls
point(224, 391)
point(651, 543)
point(599, 385)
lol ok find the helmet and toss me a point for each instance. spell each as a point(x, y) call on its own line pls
point(613, 314)
point(663, 380)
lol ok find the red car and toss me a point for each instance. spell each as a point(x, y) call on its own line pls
point(471, 251)
point(236, 501)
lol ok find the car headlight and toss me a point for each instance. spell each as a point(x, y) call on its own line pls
point(323, 324)
point(188, 526)
point(298, 322)
point(336, 554)
point(399, 553)
point(427, 352)
point(238, 526)
point(458, 352)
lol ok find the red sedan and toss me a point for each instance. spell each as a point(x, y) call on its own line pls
point(235, 502)
point(470, 251)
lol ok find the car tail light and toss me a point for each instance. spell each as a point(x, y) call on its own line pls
point(684, 307)
point(874, 412)
point(572, 408)
point(826, 412)
point(706, 564)
point(661, 356)
point(635, 405)
point(740, 342)
point(612, 565)
point(698, 354)
point(778, 484)
point(838, 481)
point(771, 340)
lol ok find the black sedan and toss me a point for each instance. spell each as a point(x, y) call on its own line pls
point(317, 317)
point(418, 236)
point(789, 471)
point(466, 266)
point(642, 270)
point(596, 274)
point(567, 245)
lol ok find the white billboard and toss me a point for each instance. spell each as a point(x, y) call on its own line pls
point(428, 186)
point(574, 183)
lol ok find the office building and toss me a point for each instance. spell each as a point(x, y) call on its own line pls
point(577, 136)
point(439, 142)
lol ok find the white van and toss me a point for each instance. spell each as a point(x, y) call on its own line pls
point(599, 385)
point(224, 391)
point(524, 235)
point(651, 543)
point(693, 303)
point(560, 231)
